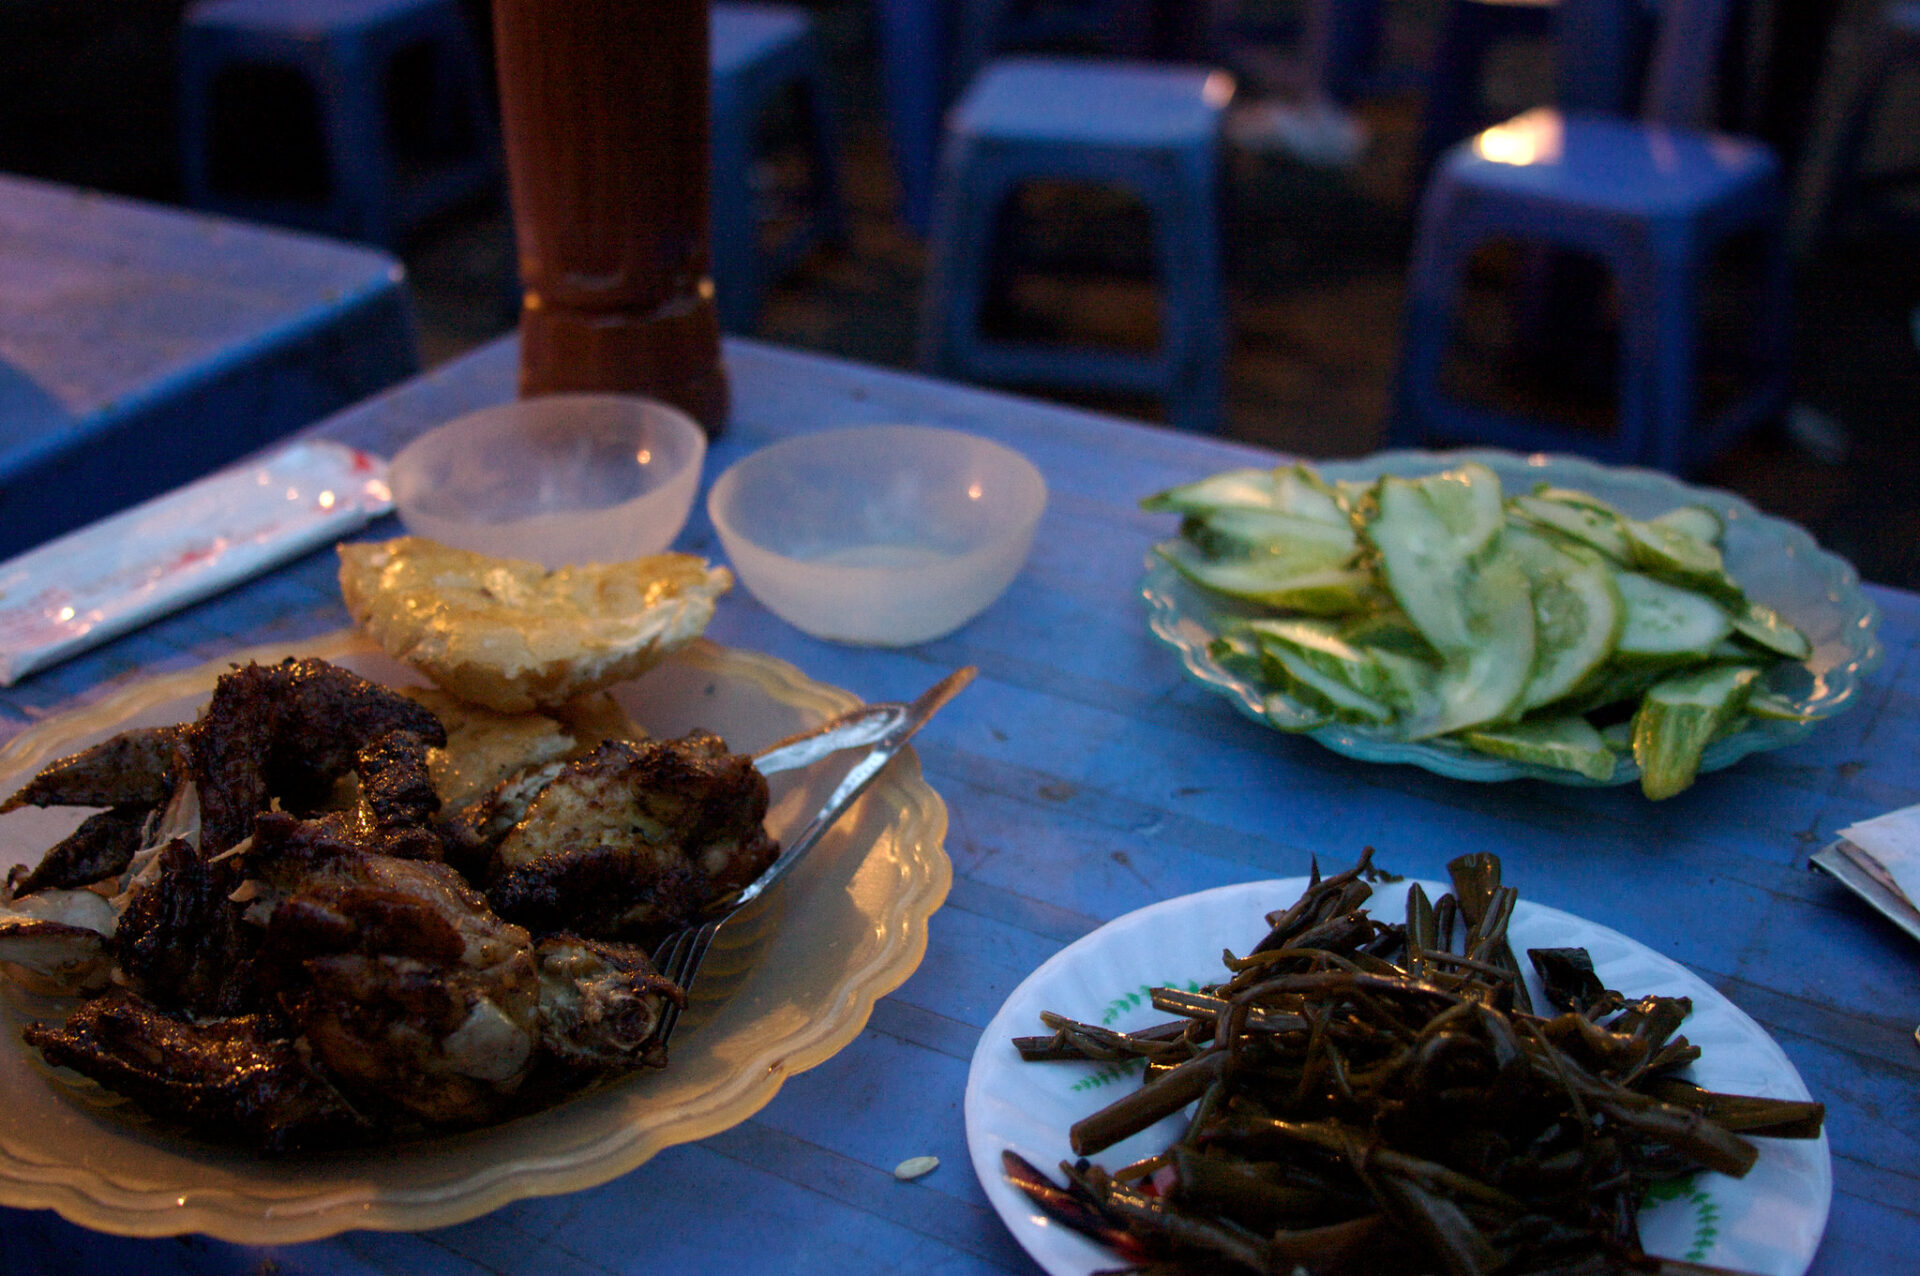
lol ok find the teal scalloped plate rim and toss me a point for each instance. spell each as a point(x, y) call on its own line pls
point(1776, 561)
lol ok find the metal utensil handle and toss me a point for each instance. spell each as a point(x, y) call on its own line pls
point(863, 774)
point(865, 725)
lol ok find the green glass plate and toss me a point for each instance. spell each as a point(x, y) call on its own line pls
point(1775, 561)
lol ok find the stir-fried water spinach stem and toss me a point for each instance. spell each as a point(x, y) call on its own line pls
point(1376, 1097)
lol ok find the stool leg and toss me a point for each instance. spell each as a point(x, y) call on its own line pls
point(958, 254)
point(913, 36)
point(1194, 327)
point(1666, 340)
point(358, 156)
point(1443, 244)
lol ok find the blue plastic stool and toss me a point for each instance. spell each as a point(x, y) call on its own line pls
point(1151, 129)
point(760, 52)
point(344, 49)
point(1122, 28)
point(1651, 199)
point(1469, 32)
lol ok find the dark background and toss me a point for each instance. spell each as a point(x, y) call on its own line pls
point(1316, 254)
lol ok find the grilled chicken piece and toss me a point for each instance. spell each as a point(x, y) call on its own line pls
point(240, 1078)
point(406, 986)
point(288, 731)
point(134, 768)
point(180, 941)
point(600, 1003)
point(634, 839)
point(100, 848)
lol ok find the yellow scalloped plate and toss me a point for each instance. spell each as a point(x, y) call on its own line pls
point(783, 993)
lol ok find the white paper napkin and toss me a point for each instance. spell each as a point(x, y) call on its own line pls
point(1879, 860)
point(134, 566)
point(1893, 841)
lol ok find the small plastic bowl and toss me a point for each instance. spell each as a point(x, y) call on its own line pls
point(560, 479)
point(885, 535)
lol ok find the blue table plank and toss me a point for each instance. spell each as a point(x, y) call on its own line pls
point(141, 347)
point(1087, 776)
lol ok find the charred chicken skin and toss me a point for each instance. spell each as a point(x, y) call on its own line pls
point(295, 974)
point(634, 840)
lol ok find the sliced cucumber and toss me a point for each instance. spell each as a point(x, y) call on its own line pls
point(1573, 496)
point(1330, 591)
point(1304, 494)
point(1696, 521)
point(1763, 626)
point(1664, 622)
point(1390, 630)
point(1238, 654)
point(1282, 704)
point(1303, 544)
point(1291, 712)
point(1390, 677)
point(1578, 615)
point(1344, 700)
point(1232, 489)
point(1595, 527)
point(1669, 554)
point(1483, 681)
point(1427, 532)
point(1775, 707)
point(1567, 741)
point(1434, 606)
point(1290, 489)
point(1679, 717)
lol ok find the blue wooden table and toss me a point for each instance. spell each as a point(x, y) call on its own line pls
point(1086, 777)
point(141, 347)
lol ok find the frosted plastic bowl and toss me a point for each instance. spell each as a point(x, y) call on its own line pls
point(564, 478)
point(885, 535)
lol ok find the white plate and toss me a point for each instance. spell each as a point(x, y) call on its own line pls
point(789, 990)
point(1768, 1223)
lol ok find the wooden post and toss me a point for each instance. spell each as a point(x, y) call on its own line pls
point(604, 113)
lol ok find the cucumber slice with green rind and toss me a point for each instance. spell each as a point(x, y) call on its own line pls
point(1578, 615)
point(1271, 534)
point(1427, 533)
point(1246, 488)
point(1389, 677)
point(1669, 554)
point(1289, 489)
point(1777, 708)
point(1331, 591)
point(1484, 681)
point(1764, 627)
point(1289, 712)
point(1696, 521)
point(1664, 621)
point(1567, 741)
point(1597, 528)
point(1304, 494)
point(1679, 717)
point(1343, 699)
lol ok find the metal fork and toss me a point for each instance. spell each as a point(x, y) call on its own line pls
point(679, 955)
